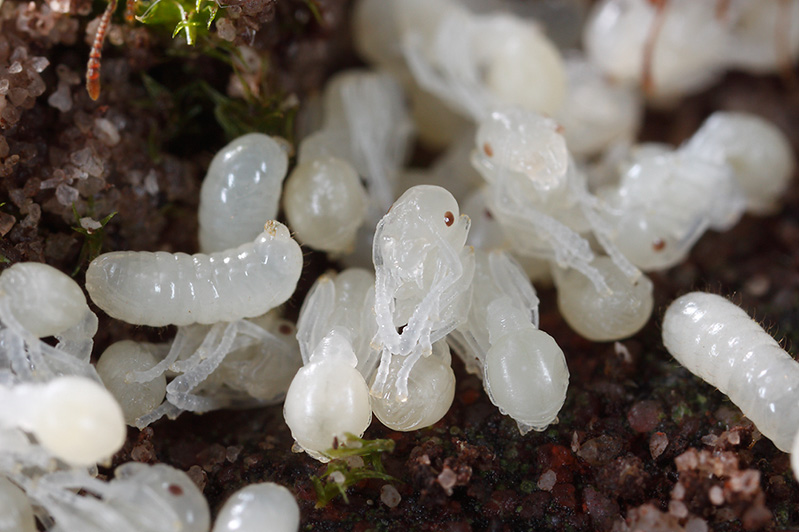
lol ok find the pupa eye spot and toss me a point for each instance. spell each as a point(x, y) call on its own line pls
point(449, 218)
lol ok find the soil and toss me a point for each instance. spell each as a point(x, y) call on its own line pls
point(641, 443)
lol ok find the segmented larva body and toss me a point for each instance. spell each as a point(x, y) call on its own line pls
point(162, 288)
point(240, 191)
point(717, 341)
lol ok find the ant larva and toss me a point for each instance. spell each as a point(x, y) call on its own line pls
point(717, 341)
point(163, 288)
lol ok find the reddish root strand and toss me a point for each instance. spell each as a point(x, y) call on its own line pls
point(93, 67)
point(647, 80)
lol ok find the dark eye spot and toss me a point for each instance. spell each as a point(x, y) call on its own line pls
point(175, 490)
point(285, 329)
point(449, 218)
point(658, 244)
point(488, 150)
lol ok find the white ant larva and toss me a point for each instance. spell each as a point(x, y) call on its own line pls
point(250, 507)
point(717, 341)
point(240, 191)
point(74, 418)
point(764, 36)
point(162, 288)
point(328, 397)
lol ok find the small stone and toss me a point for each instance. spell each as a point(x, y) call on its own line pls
point(232, 453)
point(151, 183)
point(61, 99)
point(106, 132)
point(678, 492)
point(7, 221)
point(696, 524)
point(66, 195)
point(225, 29)
point(644, 416)
point(657, 444)
point(390, 496)
point(678, 509)
point(39, 63)
point(15, 68)
point(716, 495)
point(447, 479)
point(547, 480)
point(198, 476)
point(4, 84)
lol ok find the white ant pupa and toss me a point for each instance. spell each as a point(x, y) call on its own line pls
point(431, 390)
point(717, 341)
point(764, 35)
point(477, 62)
point(16, 512)
point(757, 151)
point(665, 200)
point(328, 397)
point(669, 47)
point(114, 365)
point(162, 288)
point(524, 371)
point(423, 274)
point(74, 418)
point(240, 191)
point(251, 507)
point(325, 204)
point(344, 300)
point(157, 498)
point(539, 196)
point(243, 363)
point(38, 301)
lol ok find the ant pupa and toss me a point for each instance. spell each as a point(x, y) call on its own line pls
point(250, 507)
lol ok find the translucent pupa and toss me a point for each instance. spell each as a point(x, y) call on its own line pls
point(250, 507)
point(539, 196)
point(230, 364)
point(162, 288)
point(74, 418)
point(524, 371)
point(241, 189)
point(669, 48)
point(328, 397)
point(38, 301)
point(157, 498)
point(717, 341)
point(423, 274)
